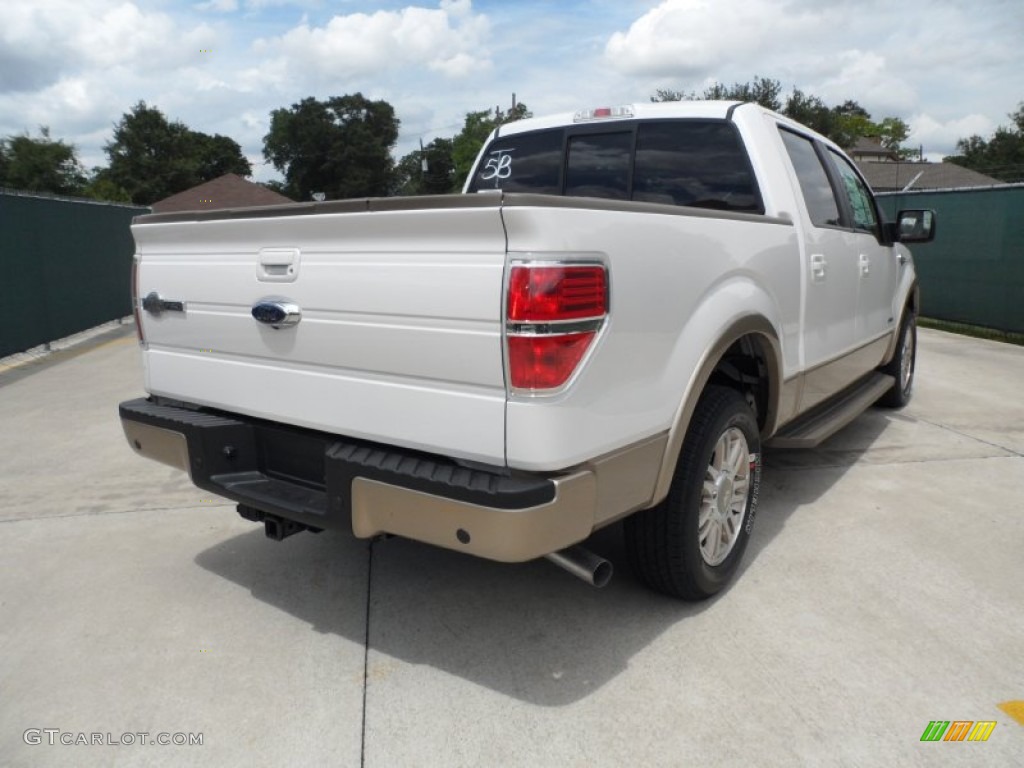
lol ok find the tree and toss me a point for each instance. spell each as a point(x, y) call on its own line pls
point(844, 123)
point(341, 146)
point(217, 155)
point(763, 91)
point(429, 171)
point(851, 122)
point(475, 130)
point(40, 164)
point(101, 187)
point(1001, 156)
point(275, 186)
point(810, 111)
point(152, 158)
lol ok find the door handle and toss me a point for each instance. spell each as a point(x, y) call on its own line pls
point(818, 265)
point(865, 265)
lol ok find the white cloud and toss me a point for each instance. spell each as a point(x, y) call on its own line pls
point(40, 42)
point(864, 76)
point(693, 38)
point(940, 137)
point(449, 39)
point(79, 65)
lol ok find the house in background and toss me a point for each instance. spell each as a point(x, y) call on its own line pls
point(227, 191)
point(885, 172)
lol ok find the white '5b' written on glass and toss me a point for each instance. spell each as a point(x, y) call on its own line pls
point(498, 167)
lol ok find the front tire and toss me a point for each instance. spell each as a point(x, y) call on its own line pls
point(901, 367)
point(690, 545)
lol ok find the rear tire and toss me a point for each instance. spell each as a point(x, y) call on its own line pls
point(901, 367)
point(690, 545)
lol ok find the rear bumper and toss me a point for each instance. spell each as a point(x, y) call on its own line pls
point(328, 482)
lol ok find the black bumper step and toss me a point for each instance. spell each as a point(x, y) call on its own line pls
point(306, 476)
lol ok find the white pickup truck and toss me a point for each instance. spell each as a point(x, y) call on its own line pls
point(622, 308)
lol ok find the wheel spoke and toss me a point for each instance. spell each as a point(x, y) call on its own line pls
point(733, 521)
point(708, 489)
point(705, 517)
point(718, 456)
point(720, 518)
point(737, 449)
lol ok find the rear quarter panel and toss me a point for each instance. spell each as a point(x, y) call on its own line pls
point(677, 280)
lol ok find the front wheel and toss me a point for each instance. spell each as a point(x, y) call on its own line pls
point(901, 367)
point(691, 544)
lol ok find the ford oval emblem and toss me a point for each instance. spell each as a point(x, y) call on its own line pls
point(276, 313)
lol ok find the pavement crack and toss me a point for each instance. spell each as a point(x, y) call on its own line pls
point(971, 437)
point(104, 513)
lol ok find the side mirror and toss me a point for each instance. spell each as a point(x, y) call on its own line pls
point(915, 226)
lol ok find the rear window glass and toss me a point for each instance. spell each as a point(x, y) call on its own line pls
point(599, 165)
point(698, 163)
point(524, 162)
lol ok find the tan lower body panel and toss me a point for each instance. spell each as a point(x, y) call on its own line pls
point(829, 378)
point(507, 535)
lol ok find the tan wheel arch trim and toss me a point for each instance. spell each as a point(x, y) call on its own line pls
point(752, 325)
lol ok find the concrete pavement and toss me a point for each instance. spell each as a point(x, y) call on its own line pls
point(883, 589)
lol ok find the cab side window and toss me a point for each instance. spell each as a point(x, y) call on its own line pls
point(859, 196)
point(818, 194)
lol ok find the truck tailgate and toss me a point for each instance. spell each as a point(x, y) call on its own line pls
point(399, 340)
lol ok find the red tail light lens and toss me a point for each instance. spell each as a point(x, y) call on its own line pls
point(554, 313)
point(546, 294)
point(546, 361)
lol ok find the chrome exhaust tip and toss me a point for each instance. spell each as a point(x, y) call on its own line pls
point(583, 564)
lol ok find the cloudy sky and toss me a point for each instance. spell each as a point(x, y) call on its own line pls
point(950, 68)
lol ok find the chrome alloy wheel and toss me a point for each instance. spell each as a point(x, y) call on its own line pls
point(907, 359)
point(723, 499)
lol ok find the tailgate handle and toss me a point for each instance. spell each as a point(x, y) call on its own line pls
point(278, 265)
point(154, 303)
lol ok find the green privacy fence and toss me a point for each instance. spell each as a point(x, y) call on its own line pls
point(65, 266)
point(974, 270)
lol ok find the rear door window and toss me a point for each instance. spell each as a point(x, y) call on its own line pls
point(818, 194)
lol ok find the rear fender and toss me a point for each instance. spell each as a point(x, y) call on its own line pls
point(734, 329)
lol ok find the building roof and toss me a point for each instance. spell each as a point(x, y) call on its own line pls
point(870, 148)
point(889, 177)
point(227, 191)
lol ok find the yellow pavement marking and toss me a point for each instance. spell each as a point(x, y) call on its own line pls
point(1014, 709)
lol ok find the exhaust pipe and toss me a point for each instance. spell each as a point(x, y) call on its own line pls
point(583, 564)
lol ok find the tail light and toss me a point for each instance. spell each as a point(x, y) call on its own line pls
point(553, 315)
point(135, 302)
